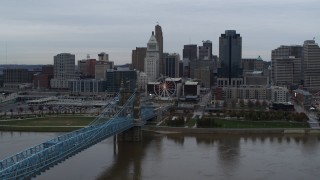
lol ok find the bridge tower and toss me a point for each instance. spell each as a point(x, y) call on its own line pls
point(135, 133)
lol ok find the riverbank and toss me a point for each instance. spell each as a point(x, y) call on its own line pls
point(71, 123)
point(166, 130)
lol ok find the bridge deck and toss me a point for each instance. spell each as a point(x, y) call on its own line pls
point(111, 121)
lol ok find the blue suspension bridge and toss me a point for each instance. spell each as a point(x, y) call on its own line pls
point(117, 117)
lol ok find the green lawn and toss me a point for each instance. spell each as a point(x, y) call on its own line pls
point(224, 123)
point(46, 121)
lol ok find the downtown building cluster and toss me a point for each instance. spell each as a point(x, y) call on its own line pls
point(293, 68)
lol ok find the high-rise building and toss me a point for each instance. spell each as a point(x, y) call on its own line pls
point(159, 37)
point(103, 56)
point(101, 68)
point(311, 65)
point(171, 65)
point(286, 51)
point(286, 66)
point(230, 52)
point(116, 77)
point(283, 70)
point(151, 62)
point(205, 51)
point(86, 67)
point(203, 74)
point(64, 70)
point(190, 52)
point(138, 56)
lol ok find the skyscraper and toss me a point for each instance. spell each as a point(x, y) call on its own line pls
point(151, 62)
point(286, 64)
point(230, 52)
point(138, 56)
point(311, 65)
point(205, 51)
point(63, 70)
point(190, 52)
point(159, 38)
point(171, 65)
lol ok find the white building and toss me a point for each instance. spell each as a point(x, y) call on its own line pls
point(151, 62)
point(64, 70)
point(279, 94)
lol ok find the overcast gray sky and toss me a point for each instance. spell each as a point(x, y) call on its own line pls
point(33, 31)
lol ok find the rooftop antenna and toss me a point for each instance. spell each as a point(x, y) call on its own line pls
point(314, 38)
point(88, 56)
point(157, 22)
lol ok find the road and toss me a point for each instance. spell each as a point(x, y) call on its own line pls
point(313, 119)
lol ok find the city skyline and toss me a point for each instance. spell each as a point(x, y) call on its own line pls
point(34, 31)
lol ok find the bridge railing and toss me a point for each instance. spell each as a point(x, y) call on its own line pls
point(64, 138)
point(49, 153)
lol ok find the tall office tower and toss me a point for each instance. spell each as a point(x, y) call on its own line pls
point(205, 51)
point(286, 65)
point(230, 52)
point(190, 52)
point(286, 51)
point(283, 71)
point(101, 69)
point(138, 56)
point(151, 62)
point(103, 56)
point(171, 65)
point(116, 77)
point(311, 65)
point(63, 70)
point(159, 37)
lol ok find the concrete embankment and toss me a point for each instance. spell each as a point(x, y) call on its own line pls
point(162, 129)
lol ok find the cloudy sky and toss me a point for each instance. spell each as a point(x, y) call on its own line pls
point(33, 31)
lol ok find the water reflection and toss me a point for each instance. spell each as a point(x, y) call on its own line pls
point(176, 138)
point(128, 160)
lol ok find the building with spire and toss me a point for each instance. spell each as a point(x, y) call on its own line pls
point(159, 38)
point(151, 62)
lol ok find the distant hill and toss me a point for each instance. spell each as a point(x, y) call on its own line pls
point(22, 66)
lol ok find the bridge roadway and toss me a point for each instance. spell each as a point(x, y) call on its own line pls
point(37, 159)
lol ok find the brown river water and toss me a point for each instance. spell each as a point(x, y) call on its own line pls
point(183, 156)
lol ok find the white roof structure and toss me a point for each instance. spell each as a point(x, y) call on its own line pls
point(191, 83)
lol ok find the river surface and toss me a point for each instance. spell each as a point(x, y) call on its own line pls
point(187, 157)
